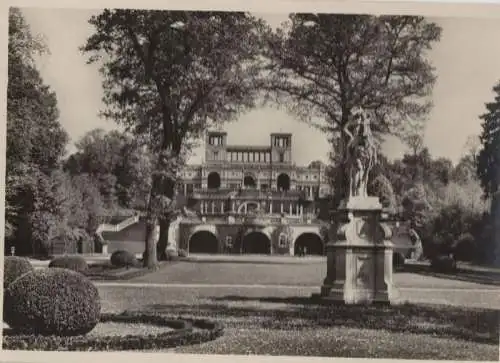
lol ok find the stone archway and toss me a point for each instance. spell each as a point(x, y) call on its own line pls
point(213, 180)
point(283, 182)
point(203, 242)
point(249, 181)
point(256, 242)
point(311, 242)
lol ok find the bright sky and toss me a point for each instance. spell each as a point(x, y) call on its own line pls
point(467, 61)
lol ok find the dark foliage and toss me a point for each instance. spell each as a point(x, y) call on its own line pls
point(465, 248)
point(52, 302)
point(74, 263)
point(443, 264)
point(15, 267)
point(123, 258)
point(182, 335)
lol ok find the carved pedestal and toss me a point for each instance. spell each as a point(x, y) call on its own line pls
point(359, 255)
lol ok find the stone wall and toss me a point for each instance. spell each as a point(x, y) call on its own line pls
point(239, 231)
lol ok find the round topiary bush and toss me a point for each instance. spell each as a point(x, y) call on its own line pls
point(52, 301)
point(443, 264)
point(122, 258)
point(15, 267)
point(465, 248)
point(74, 263)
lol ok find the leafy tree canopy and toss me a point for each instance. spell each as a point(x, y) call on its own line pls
point(488, 158)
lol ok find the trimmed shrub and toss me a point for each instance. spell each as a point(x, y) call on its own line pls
point(15, 267)
point(122, 258)
point(52, 301)
point(443, 264)
point(398, 260)
point(465, 248)
point(182, 253)
point(183, 334)
point(74, 263)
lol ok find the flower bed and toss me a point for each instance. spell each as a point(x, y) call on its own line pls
point(183, 331)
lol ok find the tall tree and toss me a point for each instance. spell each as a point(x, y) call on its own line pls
point(36, 140)
point(324, 66)
point(488, 158)
point(167, 76)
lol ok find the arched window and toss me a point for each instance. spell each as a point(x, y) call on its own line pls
point(282, 240)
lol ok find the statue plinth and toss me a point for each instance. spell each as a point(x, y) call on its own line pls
point(359, 255)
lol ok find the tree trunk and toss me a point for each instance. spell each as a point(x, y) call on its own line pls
point(163, 239)
point(149, 257)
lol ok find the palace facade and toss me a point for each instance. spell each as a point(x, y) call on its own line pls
point(252, 199)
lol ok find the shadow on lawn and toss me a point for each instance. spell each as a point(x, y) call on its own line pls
point(461, 274)
point(478, 325)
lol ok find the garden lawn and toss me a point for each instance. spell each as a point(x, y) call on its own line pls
point(281, 271)
point(104, 270)
point(285, 322)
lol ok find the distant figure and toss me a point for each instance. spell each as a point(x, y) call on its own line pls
point(301, 251)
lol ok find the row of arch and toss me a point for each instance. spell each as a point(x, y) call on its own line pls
point(255, 242)
point(249, 181)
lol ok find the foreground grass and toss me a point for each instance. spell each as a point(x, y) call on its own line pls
point(276, 323)
point(343, 342)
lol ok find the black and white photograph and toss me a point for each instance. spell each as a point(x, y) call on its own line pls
point(238, 182)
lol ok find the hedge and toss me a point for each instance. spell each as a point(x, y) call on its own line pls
point(52, 301)
point(74, 263)
point(15, 267)
point(122, 258)
point(443, 264)
point(183, 335)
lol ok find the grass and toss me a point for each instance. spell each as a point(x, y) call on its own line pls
point(342, 342)
point(309, 272)
point(273, 322)
point(466, 273)
point(105, 271)
point(122, 329)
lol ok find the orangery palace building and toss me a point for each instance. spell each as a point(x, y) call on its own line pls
point(251, 199)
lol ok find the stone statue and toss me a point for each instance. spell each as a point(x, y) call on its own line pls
point(361, 153)
point(417, 245)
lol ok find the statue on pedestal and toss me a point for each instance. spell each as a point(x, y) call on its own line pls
point(361, 154)
point(359, 255)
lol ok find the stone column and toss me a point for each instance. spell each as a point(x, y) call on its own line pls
point(222, 206)
point(359, 255)
point(201, 207)
point(233, 206)
point(291, 208)
point(270, 207)
point(213, 207)
point(281, 207)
